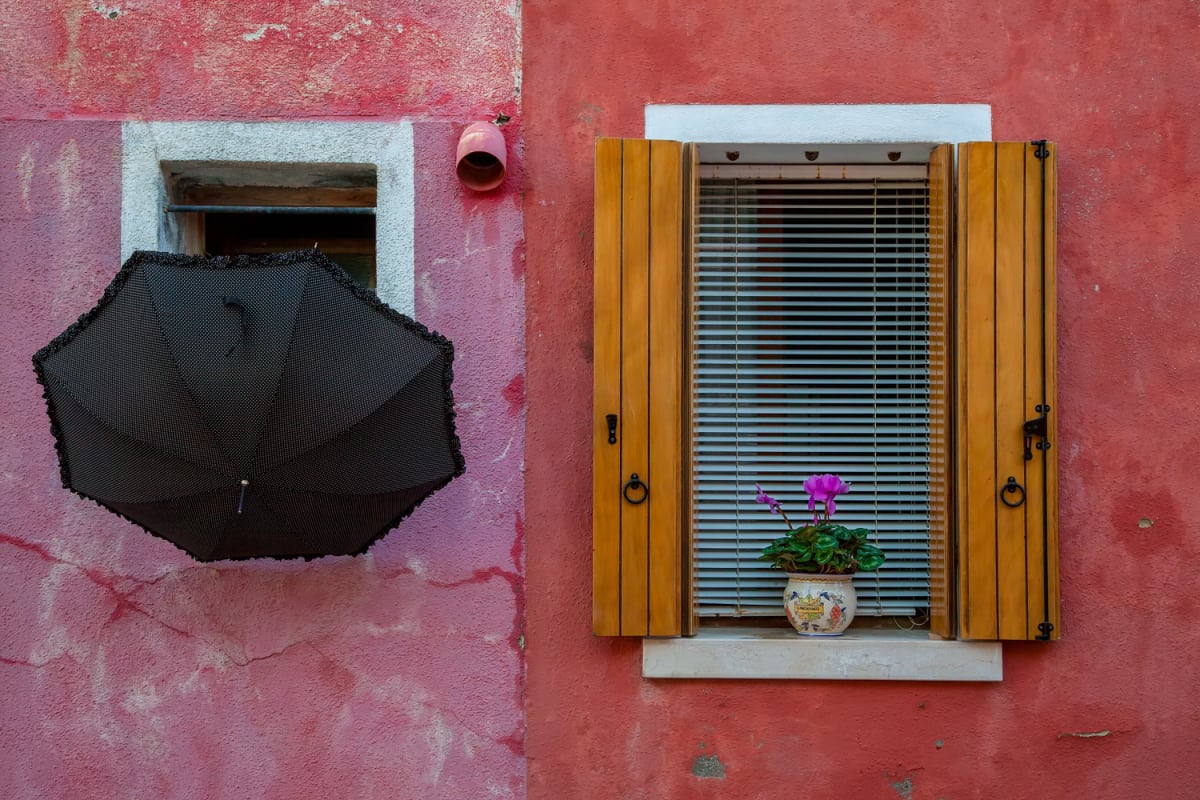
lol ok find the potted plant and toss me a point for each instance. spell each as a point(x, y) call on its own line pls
point(820, 559)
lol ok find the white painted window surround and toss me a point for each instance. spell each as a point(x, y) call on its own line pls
point(858, 654)
point(388, 146)
point(824, 124)
point(861, 654)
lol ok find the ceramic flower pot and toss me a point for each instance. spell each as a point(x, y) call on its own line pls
point(819, 605)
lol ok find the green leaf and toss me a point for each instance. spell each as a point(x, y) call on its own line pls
point(824, 547)
point(825, 541)
point(870, 558)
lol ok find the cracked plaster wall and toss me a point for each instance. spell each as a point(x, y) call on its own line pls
point(128, 670)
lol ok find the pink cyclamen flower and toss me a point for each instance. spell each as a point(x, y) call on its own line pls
point(763, 497)
point(822, 489)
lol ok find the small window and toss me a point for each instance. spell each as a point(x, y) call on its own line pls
point(221, 208)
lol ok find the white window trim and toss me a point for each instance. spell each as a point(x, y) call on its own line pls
point(858, 654)
point(829, 124)
point(388, 146)
point(861, 654)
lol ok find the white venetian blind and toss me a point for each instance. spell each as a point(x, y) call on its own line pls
point(810, 354)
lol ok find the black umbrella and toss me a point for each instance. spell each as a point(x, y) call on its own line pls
point(251, 406)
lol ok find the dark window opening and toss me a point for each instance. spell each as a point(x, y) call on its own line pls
point(227, 208)
point(348, 240)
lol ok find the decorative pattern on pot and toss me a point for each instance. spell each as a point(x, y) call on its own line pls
point(819, 605)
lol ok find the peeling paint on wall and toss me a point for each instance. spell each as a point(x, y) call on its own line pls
point(261, 31)
point(903, 787)
point(1086, 735)
point(25, 174)
point(708, 767)
point(108, 12)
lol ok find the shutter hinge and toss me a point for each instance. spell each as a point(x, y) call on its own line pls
point(1042, 151)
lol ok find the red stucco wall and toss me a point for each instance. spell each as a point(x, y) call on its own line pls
point(1116, 84)
point(128, 670)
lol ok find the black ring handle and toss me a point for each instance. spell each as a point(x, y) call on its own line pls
point(635, 484)
point(1012, 487)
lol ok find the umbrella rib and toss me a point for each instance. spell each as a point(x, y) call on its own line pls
point(183, 381)
point(286, 360)
point(353, 425)
point(65, 386)
point(228, 517)
point(109, 505)
point(392, 522)
point(171, 499)
point(278, 486)
point(227, 524)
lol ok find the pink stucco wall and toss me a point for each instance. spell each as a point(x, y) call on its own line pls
point(128, 670)
point(1116, 84)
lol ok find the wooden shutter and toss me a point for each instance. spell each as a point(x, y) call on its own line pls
point(638, 556)
point(1007, 575)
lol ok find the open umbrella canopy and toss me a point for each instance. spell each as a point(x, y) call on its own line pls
point(251, 406)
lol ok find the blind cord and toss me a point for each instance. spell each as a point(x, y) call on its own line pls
point(875, 369)
point(737, 393)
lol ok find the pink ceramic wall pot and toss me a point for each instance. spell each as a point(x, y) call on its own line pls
point(481, 159)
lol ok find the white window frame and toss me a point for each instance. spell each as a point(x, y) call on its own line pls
point(861, 654)
point(387, 146)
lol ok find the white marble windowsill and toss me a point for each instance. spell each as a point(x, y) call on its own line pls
point(863, 654)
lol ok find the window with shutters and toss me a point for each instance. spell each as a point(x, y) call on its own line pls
point(765, 312)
